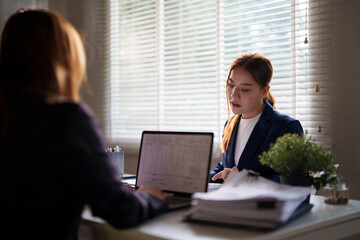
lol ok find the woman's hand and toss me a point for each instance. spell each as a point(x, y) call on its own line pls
point(128, 186)
point(224, 173)
point(153, 191)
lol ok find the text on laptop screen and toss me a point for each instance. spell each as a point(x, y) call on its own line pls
point(175, 162)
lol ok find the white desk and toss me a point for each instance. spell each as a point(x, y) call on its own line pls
point(324, 221)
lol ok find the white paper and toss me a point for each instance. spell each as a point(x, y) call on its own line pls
point(249, 200)
point(242, 186)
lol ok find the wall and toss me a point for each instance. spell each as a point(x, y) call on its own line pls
point(346, 103)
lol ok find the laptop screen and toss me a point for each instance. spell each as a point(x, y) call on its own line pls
point(175, 162)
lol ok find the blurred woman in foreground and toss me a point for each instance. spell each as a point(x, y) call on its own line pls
point(52, 155)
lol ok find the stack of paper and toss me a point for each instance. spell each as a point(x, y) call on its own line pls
point(249, 200)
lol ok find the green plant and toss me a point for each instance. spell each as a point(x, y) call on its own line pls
point(296, 156)
point(327, 177)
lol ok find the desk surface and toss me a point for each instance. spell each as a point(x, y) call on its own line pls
point(324, 220)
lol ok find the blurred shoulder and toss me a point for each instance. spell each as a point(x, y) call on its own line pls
point(72, 108)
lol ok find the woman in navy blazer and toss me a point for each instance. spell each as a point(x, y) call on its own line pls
point(251, 101)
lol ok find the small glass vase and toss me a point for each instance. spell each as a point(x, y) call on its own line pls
point(336, 194)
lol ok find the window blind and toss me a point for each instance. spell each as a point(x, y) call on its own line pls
point(188, 83)
point(169, 60)
point(134, 60)
point(310, 73)
point(264, 27)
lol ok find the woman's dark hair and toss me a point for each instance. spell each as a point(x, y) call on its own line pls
point(41, 57)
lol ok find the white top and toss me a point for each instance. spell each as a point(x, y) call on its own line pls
point(246, 126)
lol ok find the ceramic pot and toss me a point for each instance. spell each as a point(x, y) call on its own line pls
point(305, 181)
point(297, 181)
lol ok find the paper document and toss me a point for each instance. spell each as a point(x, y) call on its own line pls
point(249, 200)
point(241, 186)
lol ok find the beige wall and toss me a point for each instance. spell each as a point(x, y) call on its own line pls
point(346, 69)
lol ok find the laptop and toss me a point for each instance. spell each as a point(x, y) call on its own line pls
point(176, 162)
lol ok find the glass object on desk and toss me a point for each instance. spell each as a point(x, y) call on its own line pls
point(117, 155)
point(336, 194)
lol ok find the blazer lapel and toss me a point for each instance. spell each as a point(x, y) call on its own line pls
point(256, 137)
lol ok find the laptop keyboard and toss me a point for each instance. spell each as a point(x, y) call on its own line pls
point(174, 202)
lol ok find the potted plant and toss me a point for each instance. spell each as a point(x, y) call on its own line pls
point(296, 158)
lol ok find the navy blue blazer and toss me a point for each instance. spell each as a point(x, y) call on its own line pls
point(270, 126)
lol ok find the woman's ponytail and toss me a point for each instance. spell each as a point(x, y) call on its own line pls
point(271, 99)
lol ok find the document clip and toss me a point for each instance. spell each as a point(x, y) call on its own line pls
point(252, 175)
